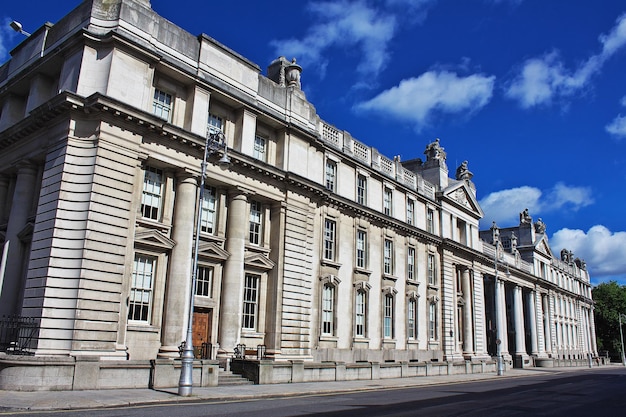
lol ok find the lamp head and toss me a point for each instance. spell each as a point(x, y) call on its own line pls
point(224, 162)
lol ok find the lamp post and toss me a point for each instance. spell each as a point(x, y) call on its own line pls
point(17, 26)
point(215, 142)
point(621, 339)
point(499, 360)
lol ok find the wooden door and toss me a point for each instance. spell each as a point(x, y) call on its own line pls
point(201, 329)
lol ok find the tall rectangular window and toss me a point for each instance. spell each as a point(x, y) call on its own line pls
point(388, 257)
point(359, 319)
point(432, 321)
point(361, 190)
point(215, 124)
point(410, 264)
point(152, 194)
point(329, 239)
point(432, 270)
point(411, 315)
point(162, 105)
point(142, 286)
point(387, 201)
point(328, 309)
point(256, 223)
point(204, 281)
point(207, 214)
point(388, 317)
point(331, 175)
point(260, 148)
point(250, 301)
point(410, 211)
point(430, 221)
point(361, 249)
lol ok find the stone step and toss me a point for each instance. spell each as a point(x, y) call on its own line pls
point(228, 378)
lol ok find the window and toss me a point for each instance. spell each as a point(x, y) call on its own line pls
point(387, 201)
point(410, 211)
point(388, 316)
point(250, 301)
point(215, 124)
point(432, 270)
point(204, 281)
point(140, 300)
point(331, 175)
point(329, 239)
point(152, 196)
point(162, 105)
point(411, 315)
point(256, 223)
point(359, 320)
point(410, 264)
point(207, 214)
point(361, 249)
point(328, 313)
point(430, 221)
point(260, 147)
point(361, 189)
point(432, 321)
point(388, 257)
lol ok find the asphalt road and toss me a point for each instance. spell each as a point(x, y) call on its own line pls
point(570, 394)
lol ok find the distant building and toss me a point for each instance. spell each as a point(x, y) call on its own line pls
point(312, 244)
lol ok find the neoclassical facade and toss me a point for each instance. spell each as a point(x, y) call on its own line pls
point(312, 243)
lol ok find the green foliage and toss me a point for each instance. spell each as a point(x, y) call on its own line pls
point(610, 302)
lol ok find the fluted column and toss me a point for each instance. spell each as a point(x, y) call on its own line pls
point(180, 269)
point(532, 323)
point(468, 334)
point(546, 324)
point(592, 325)
point(232, 281)
point(21, 208)
point(518, 313)
point(501, 316)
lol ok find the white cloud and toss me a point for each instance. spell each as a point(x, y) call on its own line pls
point(364, 26)
point(617, 127)
point(416, 100)
point(6, 36)
point(603, 250)
point(504, 206)
point(543, 79)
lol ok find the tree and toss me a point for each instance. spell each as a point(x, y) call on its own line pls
point(610, 302)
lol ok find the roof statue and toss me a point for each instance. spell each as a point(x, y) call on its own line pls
point(540, 226)
point(435, 151)
point(524, 217)
point(462, 173)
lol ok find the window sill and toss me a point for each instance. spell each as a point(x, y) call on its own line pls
point(362, 271)
point(139, 327)
point(328, 262)
point(153, 224)
point(413, 282)
point(360, 339)
point(328, 338)
point(252, 334)
point(390, 277)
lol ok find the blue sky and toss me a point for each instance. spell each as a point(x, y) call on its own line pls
point(531, 92)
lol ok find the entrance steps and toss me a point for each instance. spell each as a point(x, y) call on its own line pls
point(225, 378)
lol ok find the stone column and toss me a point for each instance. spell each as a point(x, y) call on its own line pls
point(4, 189)
point(518, 313)
point(179, 275)
point(532, 323)
point(468, 336)
point(12, 289)
point(546, 324)
point(501, 316)
point(592, 325)
point(232, 281)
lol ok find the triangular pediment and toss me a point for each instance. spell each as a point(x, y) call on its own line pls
point(461, 196)
point(542, 247)
point(258, 261)
point(154, 239)
point(212, 251)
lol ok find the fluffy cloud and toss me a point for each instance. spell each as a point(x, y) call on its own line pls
point(416, 100)
point(504, 206)
point(617, 127)
point(6, 36)
point(541, 80)
point(603, 250)
point(365, 26)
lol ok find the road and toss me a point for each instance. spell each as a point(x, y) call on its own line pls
point(571, 394)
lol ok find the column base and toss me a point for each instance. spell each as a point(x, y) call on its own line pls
point(168, 352)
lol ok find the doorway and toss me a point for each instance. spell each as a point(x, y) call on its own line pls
point(201, 332)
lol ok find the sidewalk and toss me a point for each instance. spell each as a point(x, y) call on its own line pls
point(64, 400)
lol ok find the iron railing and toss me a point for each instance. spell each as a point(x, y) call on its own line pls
point(16, 332)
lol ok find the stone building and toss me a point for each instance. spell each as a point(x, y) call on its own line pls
point(312, 244)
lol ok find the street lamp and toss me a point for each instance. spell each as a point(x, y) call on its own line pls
point(499, 358)
point(215, 142)
point(621, 339)
point(17, 26)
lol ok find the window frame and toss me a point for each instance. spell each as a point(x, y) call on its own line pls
point(255, 222)
point(250, 303)
point(388, 254)
point(361, 260)
point(259, 148)
point(208, 216)
point(432, 269)
point(412, 318)
point(432, 321)
point(330, 175)
point(327, 322)
point(388, 316)
point(144, 317)
point(410, 211)
point(330, 240)
point(204, 280)
point(360, 313)
point(150, 176)
point(160, 104)
point(411, 262)
point(387, 201)
point(361, 189)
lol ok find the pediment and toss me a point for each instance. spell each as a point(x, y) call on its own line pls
point(258, 261)
point(154, 239)
point(461, 196)
point(212, 251)
point(542, 247)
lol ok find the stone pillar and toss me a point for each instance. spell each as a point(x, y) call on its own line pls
point(546, 324)
point(501, 316)
point(232, 281)
point(532, 323)
point(518, 314)
point(468, 336)
point(12, 289)
point(592, 325)
point(4, 190)
point(179, 275)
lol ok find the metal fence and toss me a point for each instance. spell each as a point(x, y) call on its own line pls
point(16, 332)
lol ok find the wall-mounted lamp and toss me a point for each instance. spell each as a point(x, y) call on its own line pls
point(17, 26)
